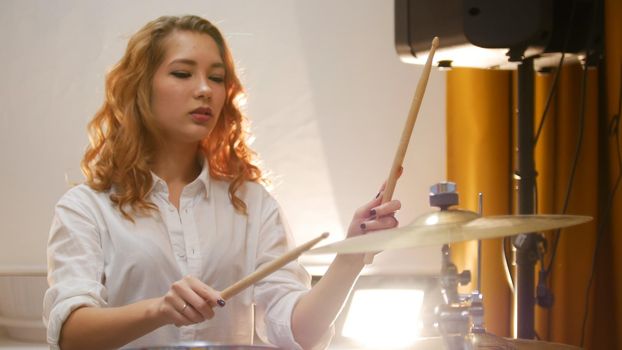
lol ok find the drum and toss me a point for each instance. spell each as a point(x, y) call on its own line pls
point(524, 344)
point(489, 341)
point(199, 345)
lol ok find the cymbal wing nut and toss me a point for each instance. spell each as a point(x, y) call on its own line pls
point(443, 195)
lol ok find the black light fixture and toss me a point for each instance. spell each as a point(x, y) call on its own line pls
point(492, 33)
point(505, 34)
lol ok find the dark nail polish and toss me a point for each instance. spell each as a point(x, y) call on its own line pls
point(378, 195)
point(372, 212)
point(363, 226)
point(221, 302)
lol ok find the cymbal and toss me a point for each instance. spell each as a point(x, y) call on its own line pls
point(449, 226)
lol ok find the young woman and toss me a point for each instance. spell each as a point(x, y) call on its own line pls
point(173, 211)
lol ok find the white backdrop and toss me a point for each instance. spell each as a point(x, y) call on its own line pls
point(328, 97)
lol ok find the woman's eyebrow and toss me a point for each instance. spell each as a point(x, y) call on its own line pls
point(194, 63)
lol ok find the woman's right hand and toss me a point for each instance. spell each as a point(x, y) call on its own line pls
point(187, 302)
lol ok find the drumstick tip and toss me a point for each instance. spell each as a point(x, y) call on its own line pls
point(435, 42)
point(325, 235)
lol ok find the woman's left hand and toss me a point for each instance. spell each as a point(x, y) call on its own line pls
point(374, 215)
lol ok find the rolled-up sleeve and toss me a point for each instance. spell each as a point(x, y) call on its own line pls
point(277, 295)
point(75, 264)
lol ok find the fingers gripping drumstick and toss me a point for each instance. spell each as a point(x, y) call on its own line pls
point(407, 132)
point(269, 268)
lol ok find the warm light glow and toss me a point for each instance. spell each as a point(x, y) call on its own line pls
point(466, 56)
point(384, 318)
point(241, 100)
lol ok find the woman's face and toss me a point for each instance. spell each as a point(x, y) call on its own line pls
point(188, 89)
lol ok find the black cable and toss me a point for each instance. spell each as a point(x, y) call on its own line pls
point(573, 168)
point(545, 270)
point(552, 92)
point(553, 88)
point(545, 273)
point(614, 128)
point(583, 90)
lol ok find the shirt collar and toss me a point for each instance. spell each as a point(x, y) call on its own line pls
point(201, 182)
point(204, 177)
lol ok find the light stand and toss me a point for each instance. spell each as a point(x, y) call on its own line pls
point(526, 244)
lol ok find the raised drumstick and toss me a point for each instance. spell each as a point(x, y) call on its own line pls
point(269, 268)
point(407, 132)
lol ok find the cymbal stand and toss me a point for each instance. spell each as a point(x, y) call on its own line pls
point(461, 317)
point(454, 317)
point(460, 320)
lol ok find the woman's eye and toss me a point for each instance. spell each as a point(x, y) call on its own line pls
point(217, 79)
point(180, 74)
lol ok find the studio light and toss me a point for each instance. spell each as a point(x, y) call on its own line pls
point(384, 318)
point(491, 33)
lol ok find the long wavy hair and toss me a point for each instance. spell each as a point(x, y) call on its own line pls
point(122, 133)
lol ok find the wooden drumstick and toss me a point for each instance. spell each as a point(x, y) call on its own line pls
point(407, 132)
point(269, 268)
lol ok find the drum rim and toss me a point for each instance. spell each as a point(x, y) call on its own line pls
point(208, 345)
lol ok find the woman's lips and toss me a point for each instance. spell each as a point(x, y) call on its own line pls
point(201, 114)
point(200, 118)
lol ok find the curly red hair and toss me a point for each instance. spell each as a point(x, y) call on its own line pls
point(122, 132)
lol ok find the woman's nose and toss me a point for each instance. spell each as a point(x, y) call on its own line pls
point(203, 89)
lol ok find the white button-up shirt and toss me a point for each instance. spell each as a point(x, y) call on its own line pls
point(98, 258)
